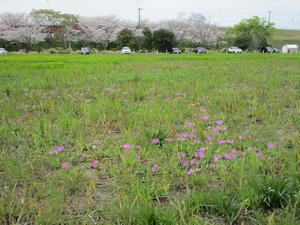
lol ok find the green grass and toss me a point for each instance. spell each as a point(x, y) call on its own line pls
point(282, 37)
point(93, 105)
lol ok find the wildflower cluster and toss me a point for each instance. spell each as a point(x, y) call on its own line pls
point(216, 144)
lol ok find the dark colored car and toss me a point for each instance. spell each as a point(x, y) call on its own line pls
point(175, 51)
point(276, 50)
point(200, 50)
point(267, 49)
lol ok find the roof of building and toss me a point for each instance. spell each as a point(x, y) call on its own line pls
point(291, 46)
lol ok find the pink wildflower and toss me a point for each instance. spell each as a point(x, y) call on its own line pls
point(260, 155)
point(195, 163)
point(190, 172)
point(217, 158)
point(154, 168)
point(221, 142)
point(182, 137)
point(203, 149)
point(199, 155)
point(185, 136)
point(190, 125)
point(127, 147)
point(205, 118)
point(270, 146)
point(185, 163)
point(94, 164)
point(66, 165)
point(229, 156)
point(209, 139)
point(217, 131)
point(193, 134)
point(57, 150)
point(229, 142)
point(155, 141)
point(198, 142)
point(234, 150)
point(219, 122)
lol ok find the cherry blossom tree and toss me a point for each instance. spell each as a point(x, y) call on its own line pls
point(19, 28)
point(28, 35)
point(67, 28)
point(14, 20)
point(100, 29)
point(178, 27)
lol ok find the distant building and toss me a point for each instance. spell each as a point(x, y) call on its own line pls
point(287, 49)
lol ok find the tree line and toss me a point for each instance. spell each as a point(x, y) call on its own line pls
point(44, 29)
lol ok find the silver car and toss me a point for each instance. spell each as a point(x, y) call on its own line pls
point(3, 51)
point(126, 50)
point(85, 51)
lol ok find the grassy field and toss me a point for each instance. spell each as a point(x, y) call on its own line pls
point(282, 37)
point(150, 139)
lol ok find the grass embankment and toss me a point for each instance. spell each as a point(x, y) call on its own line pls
point(150, 139)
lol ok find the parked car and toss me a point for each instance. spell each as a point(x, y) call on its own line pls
point(85, 51)
point(234, 50)
point(3, 51)
point(200, 50)
point(189, 50)
point(267, 49)
point(276, 50)
point(126, 50)
point(175, 51)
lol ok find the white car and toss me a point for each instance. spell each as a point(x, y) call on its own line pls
point(234, 50)
point(3, 51)
point(126, 50)
point(85, 51)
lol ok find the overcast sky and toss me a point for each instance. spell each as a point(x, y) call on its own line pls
point(284, 13)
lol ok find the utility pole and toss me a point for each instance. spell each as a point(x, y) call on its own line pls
point(139, 11)
point(221, 14)
point(270, 12)
point(48, 3)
